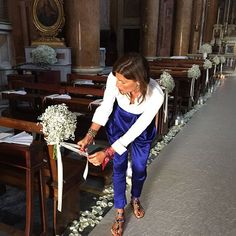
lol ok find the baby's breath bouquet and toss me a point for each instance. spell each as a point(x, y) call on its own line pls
point(58, 123)
point(44, 54)
point(222, 59)
point(205, 48)
point(216, 60)
point(207, 64)
point(167, 81)
point(194, 72)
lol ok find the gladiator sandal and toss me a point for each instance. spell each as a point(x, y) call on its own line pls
point(117, 227)
point(137, 208)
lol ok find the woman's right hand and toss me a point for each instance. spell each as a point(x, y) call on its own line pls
point(83, 143)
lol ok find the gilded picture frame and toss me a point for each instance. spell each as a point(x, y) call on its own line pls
point(48, 18)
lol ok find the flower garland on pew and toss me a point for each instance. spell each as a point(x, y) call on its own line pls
point(222, 61)
point(207, 65)
point(59, 124)
point(167, 82)
point(216, 61)
point(205, 49)
point(194, 73)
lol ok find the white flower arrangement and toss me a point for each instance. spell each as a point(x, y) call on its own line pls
point(44, 54)
point(194, 72)
point(207, 64)
point(216, 60)
point(167, 81)
point(58, 123)
point(205, 48)
point(222, 59)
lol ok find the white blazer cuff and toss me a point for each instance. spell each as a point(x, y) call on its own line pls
point(118, 147)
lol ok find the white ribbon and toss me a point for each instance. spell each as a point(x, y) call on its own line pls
point(221, 67)
point(214, 69)
point(207, 76)
point(204, 55)
point(74, 148)
point(192, 88)
point(166, 106)
point(71, 147)
point(59, 177)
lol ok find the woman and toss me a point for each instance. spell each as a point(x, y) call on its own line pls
point(130, 103)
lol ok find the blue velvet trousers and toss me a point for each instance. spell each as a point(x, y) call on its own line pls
point(118, 124)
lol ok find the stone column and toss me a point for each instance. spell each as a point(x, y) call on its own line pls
point(210, 19)
point(182, 27)
point(196, 26)
point(149, 28)
point(83, 34)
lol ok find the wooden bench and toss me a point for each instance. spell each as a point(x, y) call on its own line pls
point(72, 169)
point(41, 75)
point(81, 98)
point(94, 79)
point(18, 159)
point(80, 103)
point(178, 68)
point(185, 64)
point(180, 100)
point(28, 106)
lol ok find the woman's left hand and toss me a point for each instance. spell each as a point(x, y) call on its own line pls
point(97, 158)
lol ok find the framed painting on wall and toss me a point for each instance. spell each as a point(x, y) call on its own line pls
point(48, 18)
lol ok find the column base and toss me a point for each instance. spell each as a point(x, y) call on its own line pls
point(87, 70)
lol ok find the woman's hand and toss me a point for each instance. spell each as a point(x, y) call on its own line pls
point(97, 158)
point(83, 143)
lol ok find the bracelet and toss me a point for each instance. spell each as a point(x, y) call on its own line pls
point(109, 153)
point(92, 132)
point(109, 156)
point(90, 138)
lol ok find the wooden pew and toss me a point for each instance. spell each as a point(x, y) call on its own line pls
point(180, 100)
point(41, 74)
point(179, 68)
point(28, 106)
point(96, 79)
point(18, 159)
point(185, 64)
point(11, 78)
point(80, 102)
point(72, 169)
point(81, 98)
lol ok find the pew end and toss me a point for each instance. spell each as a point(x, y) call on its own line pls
point(71, 167)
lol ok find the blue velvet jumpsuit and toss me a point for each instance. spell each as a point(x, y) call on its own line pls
point(118, 124)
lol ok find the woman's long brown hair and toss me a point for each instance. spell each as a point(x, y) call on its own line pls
point(134, 66)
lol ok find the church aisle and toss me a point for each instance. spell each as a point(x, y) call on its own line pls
point(190, 189)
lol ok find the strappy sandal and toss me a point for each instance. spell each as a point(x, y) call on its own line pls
point(117, 227)
point(137, 208)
